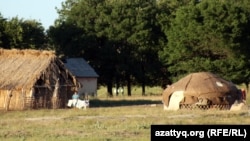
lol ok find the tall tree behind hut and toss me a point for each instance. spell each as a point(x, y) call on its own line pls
point(22, 34)
point(118, 38)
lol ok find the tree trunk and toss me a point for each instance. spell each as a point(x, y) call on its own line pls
point(143, 77)
point(143, 89)
point(128, 84)
point(109, 89)
point(117, 86)
point(247, 87)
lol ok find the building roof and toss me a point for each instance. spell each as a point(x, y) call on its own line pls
point(80, 68)
point(22, 68)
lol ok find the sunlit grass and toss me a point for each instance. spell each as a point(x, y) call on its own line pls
point(120, 118)
point(110, 123)
point(136, 91)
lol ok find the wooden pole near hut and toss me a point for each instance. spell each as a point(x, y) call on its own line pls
point(7, 102)
point(23, 99)
point(55, 100)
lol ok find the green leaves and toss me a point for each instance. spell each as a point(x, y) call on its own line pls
point(207, 36)
point(183, 36)
point(20, 33)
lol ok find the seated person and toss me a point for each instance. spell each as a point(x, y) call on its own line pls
point(75, 95)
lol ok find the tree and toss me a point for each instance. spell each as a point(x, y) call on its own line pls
point(145, 38)
point(33, 35)
point(13, 33)
point(3, 36)
point(211, 36)
point(167, 12)
point(132, 26)
point(124, 35)
point(22, 34)
point(66, 39)
point(74, 35)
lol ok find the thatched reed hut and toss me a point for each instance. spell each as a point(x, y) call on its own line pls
point(32, 79)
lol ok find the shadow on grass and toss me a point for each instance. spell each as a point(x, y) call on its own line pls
point(114, 103)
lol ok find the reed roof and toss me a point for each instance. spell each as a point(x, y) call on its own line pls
point(22, 68)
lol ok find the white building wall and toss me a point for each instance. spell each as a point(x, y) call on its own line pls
point(89, 86)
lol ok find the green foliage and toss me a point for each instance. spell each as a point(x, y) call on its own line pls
point(115, 36)
point(2, 28)
point(33, 35)
point(147, 43)
point(207, 36)
point(68, 39)
point(13, 32)
point(22, 34)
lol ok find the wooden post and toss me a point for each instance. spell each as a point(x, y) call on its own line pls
point(23, 99)
point(7, 104)
point(55, 101)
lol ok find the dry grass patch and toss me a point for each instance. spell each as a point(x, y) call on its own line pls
point(110, 119)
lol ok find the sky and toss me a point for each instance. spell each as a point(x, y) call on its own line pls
point(42, 11)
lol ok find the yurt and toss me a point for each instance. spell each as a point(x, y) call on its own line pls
point(201, 89)
point(32, 79)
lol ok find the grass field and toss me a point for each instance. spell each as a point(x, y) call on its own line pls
point(120, 118)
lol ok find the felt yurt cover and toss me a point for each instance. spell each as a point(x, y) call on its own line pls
point(203, 86)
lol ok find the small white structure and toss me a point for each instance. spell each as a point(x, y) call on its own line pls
point(174, 102)
point(84, 73)
point(80, 104)
point(237, 106)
